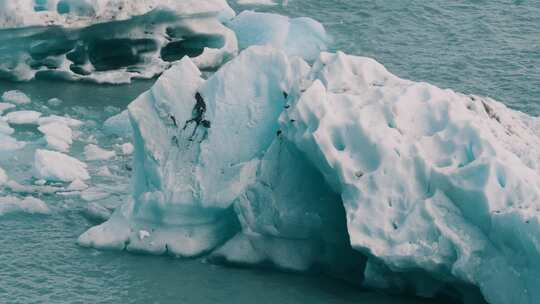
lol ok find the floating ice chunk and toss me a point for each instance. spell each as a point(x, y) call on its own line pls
point(302, 37)
point(56, 166)
point(58, 136)
point(431, 180)
point(94, 194)
point(23, 117)
point(32, 189)
point(68, 121)
point(77, 185)
point(54, 102)
point(16, 97)
point(97, 212)
point(4, 106)
point(12, 204)
point(72, 13)
point(94, 152)
point(256, 2)
point(5, 128)
point(151, 36)
point(3, 177)
point(9, 143)
point(118, 125)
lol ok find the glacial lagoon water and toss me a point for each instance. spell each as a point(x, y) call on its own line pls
point(476, 46)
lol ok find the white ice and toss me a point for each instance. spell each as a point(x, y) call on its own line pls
point(15, 97)
point(23, 117)
point(12, 204)
point(256, 2)
point(56, 166)
point(94, 152)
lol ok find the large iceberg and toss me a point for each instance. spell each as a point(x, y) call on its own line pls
point(110, 40)
point(334, 164)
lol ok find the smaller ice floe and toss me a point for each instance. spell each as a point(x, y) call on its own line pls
point(9, 143)
point(3, 177)
point(56, 166)
point(68, 121)
point(5, 128)
point(96, 212)
point(32, 189)
point(94, 152)
point(23, 117)
point(118, 125)
point(12, 204)
point(302, 37)
point(16, 97)
point(54, 102)
point(94, 194)
point(77, 185)
point(256, 2)
point(57, 135)
point(4, 106)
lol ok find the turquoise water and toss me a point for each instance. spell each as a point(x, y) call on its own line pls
point(489, 47)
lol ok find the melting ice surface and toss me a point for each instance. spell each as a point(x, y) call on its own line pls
point(331, 165)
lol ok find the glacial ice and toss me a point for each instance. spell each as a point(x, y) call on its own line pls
point(302, 36)
point(110, 41)
point(4, 106)
point(56, 166)
point(274, 160)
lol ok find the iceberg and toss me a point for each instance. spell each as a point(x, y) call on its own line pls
point(337, 165)
point(110, 41)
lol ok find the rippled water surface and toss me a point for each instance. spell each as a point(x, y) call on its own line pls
point(483, 47)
